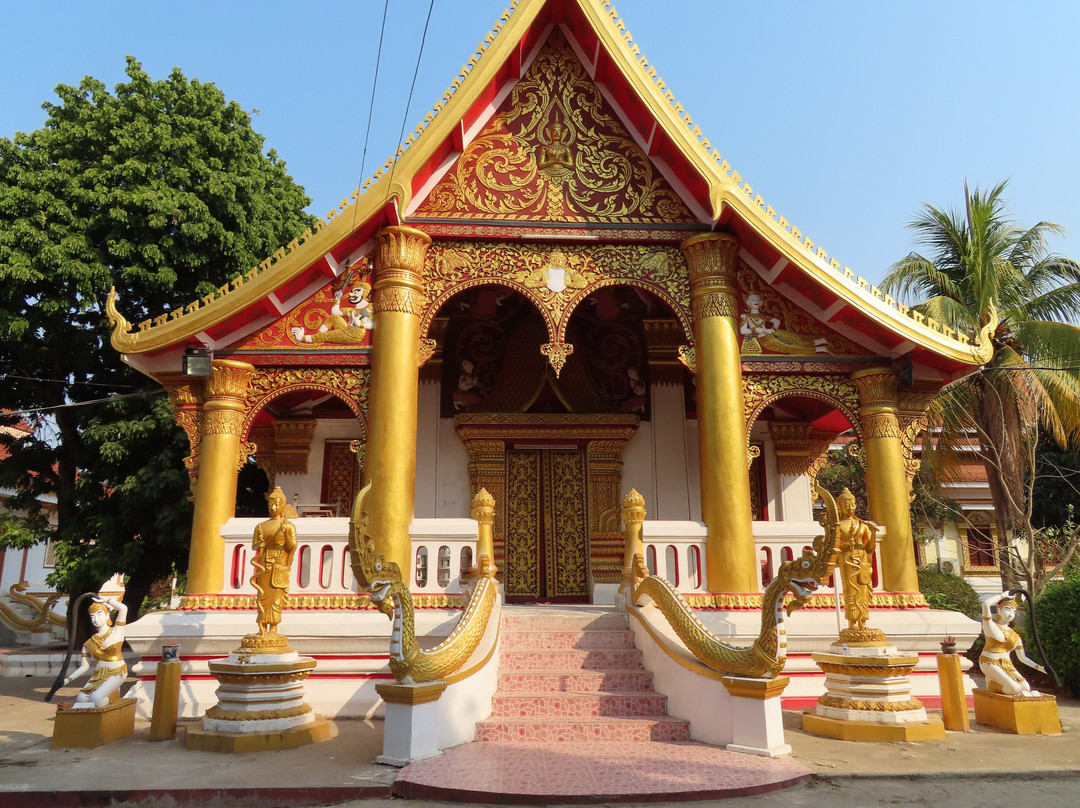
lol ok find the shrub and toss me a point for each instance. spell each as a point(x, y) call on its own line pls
point(1058, 613)
point(952, 593)
point(945, 591)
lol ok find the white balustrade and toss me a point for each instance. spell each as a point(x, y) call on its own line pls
point(445, 548)
point(676, 550)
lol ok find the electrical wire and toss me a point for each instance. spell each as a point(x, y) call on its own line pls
point(371, 104)
point(63, 381)
point(83, 403)
point(408, 103)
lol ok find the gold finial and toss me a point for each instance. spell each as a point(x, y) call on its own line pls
point(983, 351)
point(633, 507)
point(123, 340)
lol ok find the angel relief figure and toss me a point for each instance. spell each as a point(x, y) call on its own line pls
point(762, 332)
point(345, 325)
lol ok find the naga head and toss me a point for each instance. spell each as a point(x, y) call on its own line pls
point(802, 576)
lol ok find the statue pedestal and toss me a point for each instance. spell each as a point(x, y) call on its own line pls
point(1024, 715)
point(94, 727)
point(260, 701)
point(868, 695)
point(411, 727)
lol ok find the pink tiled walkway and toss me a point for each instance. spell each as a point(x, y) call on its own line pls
point(575, 719)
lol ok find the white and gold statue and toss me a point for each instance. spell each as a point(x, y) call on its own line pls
point(1001, 641)
point(102, 655)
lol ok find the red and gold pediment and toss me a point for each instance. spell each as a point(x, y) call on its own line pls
point(555, 152)
point(336, 317)
point(771, 325)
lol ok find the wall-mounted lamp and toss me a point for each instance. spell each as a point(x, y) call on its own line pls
point(197, 361)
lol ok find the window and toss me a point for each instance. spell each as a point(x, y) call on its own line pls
point(979, 546)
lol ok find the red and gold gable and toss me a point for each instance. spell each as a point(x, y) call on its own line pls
point(555, 152)
point(336, 317)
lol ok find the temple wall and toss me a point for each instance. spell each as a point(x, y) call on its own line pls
point(309, 486)
point(661, 460)
point(442, 461)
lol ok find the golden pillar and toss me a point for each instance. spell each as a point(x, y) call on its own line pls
point(725, 487)
point(219, 461)
point(390, 459)
point(886, 480)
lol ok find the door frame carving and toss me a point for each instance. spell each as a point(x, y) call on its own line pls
point(603, 436)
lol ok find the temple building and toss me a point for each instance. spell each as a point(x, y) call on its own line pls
point(557, 290)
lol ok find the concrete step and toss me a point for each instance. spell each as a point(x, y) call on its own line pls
point(551, 661)
point(609, 681)
point(520, 639)
point(652, 728)
point(556, 706)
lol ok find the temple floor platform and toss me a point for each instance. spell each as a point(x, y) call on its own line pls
point(137, 772)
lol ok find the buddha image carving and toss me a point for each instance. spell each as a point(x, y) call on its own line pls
point(554, 157)
point(764, 333)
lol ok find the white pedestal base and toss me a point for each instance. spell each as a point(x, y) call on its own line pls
point(411, 727)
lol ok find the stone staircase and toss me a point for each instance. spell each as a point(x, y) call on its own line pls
point(573, 674)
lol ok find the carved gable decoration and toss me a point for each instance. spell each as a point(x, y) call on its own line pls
point(555, 151)
point(770, 324)
point(338, 316)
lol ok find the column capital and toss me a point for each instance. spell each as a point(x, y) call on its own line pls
point(229, 379)
point(791, 446)
point(712, 259)
point(400, 253)
point(877, 388)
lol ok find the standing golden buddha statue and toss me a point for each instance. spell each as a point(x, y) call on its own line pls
point(856, 540)
point(274, 545)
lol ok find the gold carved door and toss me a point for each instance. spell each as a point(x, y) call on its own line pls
point(547, 533)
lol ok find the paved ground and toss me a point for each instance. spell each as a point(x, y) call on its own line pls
point(984, 768)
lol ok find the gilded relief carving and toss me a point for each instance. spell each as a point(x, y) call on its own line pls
point(555, 151)
point(762, 389)
point(348, 384)
point(566, 532)
point(522, 575)
point(557, 281)
point(770, 324)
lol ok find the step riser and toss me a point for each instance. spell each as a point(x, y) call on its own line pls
point(568, 661)
point(640, 731)
point(580, 682)
point(602, 622)
point(565, 640)
point(579, 706)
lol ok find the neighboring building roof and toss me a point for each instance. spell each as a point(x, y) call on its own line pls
point(721, 199)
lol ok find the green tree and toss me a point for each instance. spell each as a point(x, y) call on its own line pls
point(161, 188)
point(979, 264)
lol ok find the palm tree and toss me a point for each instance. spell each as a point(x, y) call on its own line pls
point(978, 259)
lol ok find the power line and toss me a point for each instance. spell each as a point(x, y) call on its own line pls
point(408, 103)
point(63, 381)
point(371, 103)
point(84, 403)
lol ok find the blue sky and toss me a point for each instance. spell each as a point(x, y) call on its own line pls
point(845, 116)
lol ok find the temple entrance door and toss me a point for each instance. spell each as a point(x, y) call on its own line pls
point(547, 531)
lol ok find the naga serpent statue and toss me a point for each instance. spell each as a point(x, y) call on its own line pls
point(767, 655)
point(390, 594)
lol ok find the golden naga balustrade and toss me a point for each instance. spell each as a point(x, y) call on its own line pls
point(767, 655)
point(43, 615)
point(390, 594)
